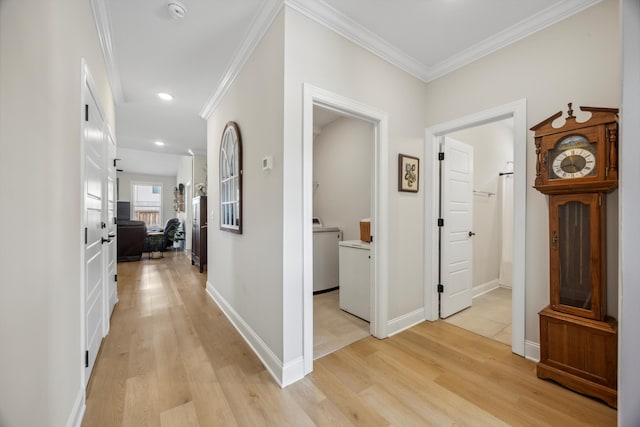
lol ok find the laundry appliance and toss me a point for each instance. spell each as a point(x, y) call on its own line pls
point(325, 256)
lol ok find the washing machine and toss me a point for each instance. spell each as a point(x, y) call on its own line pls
point(325, 257)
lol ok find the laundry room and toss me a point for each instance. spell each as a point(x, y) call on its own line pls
point(342, 196)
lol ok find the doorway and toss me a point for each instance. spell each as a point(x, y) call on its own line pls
point(434, 136)
point(378, 269)
point(487, 311)
point(342, 169)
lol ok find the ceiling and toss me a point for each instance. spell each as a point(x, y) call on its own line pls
point(194, 58)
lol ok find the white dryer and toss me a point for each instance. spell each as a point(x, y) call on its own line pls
point(325, 258)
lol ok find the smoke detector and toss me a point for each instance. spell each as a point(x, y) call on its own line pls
point(176, 9)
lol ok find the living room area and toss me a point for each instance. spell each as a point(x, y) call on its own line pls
point(155, 192)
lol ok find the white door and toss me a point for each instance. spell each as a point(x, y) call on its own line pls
point(94, 302)
point(456, 234)
point(111, 245)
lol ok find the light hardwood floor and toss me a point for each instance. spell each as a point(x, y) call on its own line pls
point(173, 359)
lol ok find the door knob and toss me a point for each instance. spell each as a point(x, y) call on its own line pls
point(471, 234)
point(105, 240)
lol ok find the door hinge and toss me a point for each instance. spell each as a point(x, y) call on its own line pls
point(440, 222)
point(370, 239)
point(86, 231)
point(86, 359)
point(440, 156)
point(86, 112)
point(115, 277)
point(115, 161)
point(440, 288)
point(115, 220)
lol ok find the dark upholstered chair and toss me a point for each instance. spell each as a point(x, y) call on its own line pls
point(170, 229)
point(131, 237)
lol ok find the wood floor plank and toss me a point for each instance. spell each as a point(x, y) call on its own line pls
point(180, 416)
point(172, 358)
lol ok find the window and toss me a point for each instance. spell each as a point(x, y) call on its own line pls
point(231, 179)
point(147, 203)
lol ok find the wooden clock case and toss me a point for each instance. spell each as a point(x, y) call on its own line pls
point(578, 341)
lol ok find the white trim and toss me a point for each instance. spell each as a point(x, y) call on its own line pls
point(380, 248)
point(292, 371)
point(406, 321)
point(541, 20)
point(256, 31)
point(259, 347)
point(103, 26)
point(484, 288)
point(517, 110)
point(77, 412)
point(353, 31)
point(532, 351)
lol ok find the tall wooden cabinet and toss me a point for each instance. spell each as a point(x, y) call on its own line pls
point(576, 167)
point(199, 233)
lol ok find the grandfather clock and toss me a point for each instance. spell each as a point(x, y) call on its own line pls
point(576, 166)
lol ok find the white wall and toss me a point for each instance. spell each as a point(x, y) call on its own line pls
point(168, 184)
point(200, 169)
point(246, 269)
point(342, 159)
point(185, 177)
point(629, 329)
point(534, 68)
point(318, 56)
point(492, 148)
point(41, 44)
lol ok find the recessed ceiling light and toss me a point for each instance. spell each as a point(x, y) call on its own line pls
point(165, 96)
point(159, 143)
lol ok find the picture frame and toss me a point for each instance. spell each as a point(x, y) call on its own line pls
point(408, 173)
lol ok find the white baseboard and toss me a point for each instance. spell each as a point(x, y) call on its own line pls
point(283, 374)
point(77, 412)
point(399, 324)
point(485, 287)
point(532, 351)
point(292, 371)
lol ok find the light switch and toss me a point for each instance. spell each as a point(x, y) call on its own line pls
point(267, 163)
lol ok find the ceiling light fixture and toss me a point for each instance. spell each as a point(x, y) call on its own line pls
point(176, 9)
point(159, 143)
point(190, 151)
point(165, 96)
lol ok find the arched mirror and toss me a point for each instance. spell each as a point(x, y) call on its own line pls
point(231, 179)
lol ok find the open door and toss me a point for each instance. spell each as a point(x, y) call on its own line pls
point(456, 247)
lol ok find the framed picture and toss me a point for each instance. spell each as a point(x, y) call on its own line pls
point(408, 173)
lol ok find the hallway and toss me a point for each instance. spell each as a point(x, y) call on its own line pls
point(172, 359)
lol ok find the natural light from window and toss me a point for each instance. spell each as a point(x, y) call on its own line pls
point(147, 203)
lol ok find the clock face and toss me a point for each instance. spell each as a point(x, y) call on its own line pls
point(573, 163)
point(573, 157)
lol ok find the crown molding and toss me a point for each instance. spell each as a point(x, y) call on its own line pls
point(103, 25)
point(257, 29)
point(519, 31)
point(336, 21)
point(329, 17)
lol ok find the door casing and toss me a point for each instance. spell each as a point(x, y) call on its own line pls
point(518, 111)
point(380, 248)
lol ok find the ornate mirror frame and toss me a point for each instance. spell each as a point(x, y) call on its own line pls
point(231, 179)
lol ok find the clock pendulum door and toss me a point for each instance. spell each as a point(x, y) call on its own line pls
point(576, 167)
point(578, 342)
